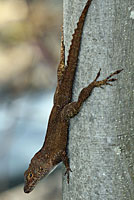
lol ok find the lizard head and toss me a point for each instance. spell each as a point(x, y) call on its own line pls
point(38, 168)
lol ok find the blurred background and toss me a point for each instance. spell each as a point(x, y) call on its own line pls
point(29, 55)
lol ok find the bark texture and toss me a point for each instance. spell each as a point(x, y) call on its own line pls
point(101, 136)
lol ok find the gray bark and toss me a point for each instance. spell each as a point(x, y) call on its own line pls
point(101, 136)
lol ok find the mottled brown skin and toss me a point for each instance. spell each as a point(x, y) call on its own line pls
point(54, 149)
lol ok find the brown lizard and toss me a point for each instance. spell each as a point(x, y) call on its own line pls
point(54, 149)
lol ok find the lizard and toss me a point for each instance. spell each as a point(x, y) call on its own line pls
point(54, 149)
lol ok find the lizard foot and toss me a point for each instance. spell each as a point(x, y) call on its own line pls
point(67, 173)
point(106, 80)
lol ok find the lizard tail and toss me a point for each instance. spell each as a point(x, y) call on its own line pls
point(74, 53)
point(75, 44)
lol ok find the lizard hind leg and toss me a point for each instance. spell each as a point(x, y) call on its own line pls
point(73, 108)
point(106, 80)
point(86, 92)
point(61, 67)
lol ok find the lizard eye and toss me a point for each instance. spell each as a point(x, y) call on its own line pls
point(30, 175)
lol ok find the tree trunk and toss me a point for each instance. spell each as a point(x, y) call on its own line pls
point(101, 136)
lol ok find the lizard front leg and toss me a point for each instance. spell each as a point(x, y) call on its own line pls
point(71, 109)
point(65, 160)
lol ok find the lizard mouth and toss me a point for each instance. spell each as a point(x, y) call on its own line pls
point(28, 189)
